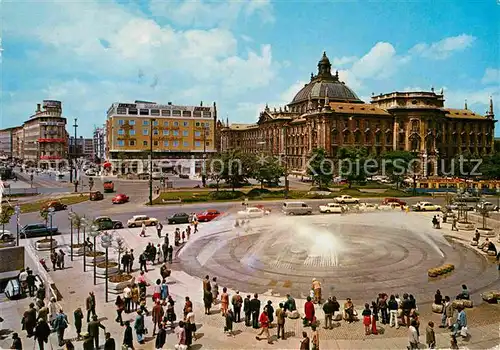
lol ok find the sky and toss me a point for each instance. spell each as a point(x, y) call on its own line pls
point(240, 54)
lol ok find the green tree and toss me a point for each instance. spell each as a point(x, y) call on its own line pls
point(355, 163)
point(464, 164)
point(5, 216)
point(397, 165)
point(77, 224)
point(320, 168)
point(120, 248)
point(238, 167)
point(268, 171)
point(44, 215)
point(214, 169)
point(490, 167)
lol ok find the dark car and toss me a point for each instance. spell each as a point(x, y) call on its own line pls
point(57, 205)
point(36, 230)
point(179, 218)
point(105, 223)
point(96, 196)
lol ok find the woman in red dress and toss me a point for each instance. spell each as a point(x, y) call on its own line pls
point(309, 311)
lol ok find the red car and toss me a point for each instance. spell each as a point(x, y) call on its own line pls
point(208, 215)
point(120, 198)
point(395, 201)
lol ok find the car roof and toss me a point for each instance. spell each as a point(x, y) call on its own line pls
point(139, 216)
point(102, 217)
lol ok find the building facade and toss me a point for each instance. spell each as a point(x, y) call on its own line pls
point(170, 131)
point(99, 143)
point(6, 143)
point(327, 114)
point(83, 148)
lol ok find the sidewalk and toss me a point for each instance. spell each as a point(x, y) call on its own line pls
point(74, 285)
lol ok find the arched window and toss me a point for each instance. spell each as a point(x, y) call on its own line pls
point(388, 138)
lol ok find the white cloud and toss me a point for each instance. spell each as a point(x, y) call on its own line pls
point(379, 63)
point(477, 100)
point(246, 38)
point(209, 14)
point(341, 61)
point(350, 79)
point(444, 48)
point(491, 76)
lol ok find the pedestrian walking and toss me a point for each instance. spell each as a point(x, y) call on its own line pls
point(413, 335)
point(90, 304)
point(454, 224)
point(170, 254)
point(42, 332)
point(93, 330)
point(29, 320)
point(139, 327)
point(120, 306)
point(195, 224)
point(143, 230)
point(109, 344)
point(78, 317)
point(128, 340)
point(53, 310)
point(161, 338)
point(159, 228)
point(60, 325)
point(430, 336)
point(131, 261)
point(264, 323)
point(280, 320)
point(315, 338)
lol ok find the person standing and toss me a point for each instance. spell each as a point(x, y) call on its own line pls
point(430, 336)
point(190, 323)
point(164, 289)
point(374, 318)
point(131, 261)
point(53, 260)
point(159, 253)
point(142, 262)
point(392, 305)
point(164, 249)
point(120, 306)
point(170, 253)
point(135, 297)
point(309, 312)
point(413, 335)
point(188, 305)
point(43, 312)
point(143, 230)
point(90, 304)
point(128, 339)
point(328, 310)
point(454, 224)
point(367, 313)
point(316, 286)
point(30, 280)
point(315, 338)
point(157, 316)
point(29, 320)
point(139, 327)
point(237, 301)
point(255, 309)
point(125, 261)
point(382, 306)
point(181, 337)
point(159, 227)
point(53, 310)
point(264, 323)
point(215, 290)
point(60, 258)
point(207, 300)
point(60, 325)
point(42, 332)
point(224, 300)
point(93, 330)
point(78, 317)
point(304, 344)
point(247, 309)
point(127, 297)
point(161, 338)
point(109, 344)
point(280, 320)
point(229, 322)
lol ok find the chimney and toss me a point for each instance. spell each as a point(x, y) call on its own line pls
point(38, 107)
point(170, 103)
point(201, 103)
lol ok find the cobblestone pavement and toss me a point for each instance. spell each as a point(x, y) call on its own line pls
point(74, 285)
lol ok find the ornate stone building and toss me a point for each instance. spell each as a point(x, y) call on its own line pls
point(326, 113)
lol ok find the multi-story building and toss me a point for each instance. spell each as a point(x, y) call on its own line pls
point(17, 142)
point(6, 142)
point(327, 114)
point(99, 143)
point(84, 147)
point(168, 131)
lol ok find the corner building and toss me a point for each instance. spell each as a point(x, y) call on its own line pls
point(327, 114)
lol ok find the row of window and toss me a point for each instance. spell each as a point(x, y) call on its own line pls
point(121, 143)
point(165, 123)
point(164, 112)
point(145, 132)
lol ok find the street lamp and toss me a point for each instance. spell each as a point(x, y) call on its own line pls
point(151, 121)
point(17, 210)
point(84, 223)
point(94, 232)
point(71, 218)
point(106, 241)
point(51, 213)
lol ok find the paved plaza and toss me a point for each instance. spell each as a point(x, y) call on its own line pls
point(377, 260)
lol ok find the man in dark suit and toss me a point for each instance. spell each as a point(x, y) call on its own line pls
point(93, 329)
point(255, 308)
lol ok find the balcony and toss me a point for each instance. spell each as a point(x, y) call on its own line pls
point(51, 140)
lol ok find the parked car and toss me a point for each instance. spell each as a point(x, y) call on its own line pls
point(57, 205)
point(108, 186)
point(426, 206)
point(183, 176)
point(252, 213)
point(346, 199)
point(461, 206)
point(7, 239)
point(90, 172)
point(106, 223)
point(137, 221)
point(369, 207)
point(179, 218)
point(36, 230)
point(395, 201)
point(208, 215)
point(296, 208)
point(486, 205)
point(120, 198)
point(96, 196)
point(331, 208)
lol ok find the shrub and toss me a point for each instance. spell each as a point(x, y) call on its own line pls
point(226, 195)
point(256, 192)
point(120, 278)
point(324, 189)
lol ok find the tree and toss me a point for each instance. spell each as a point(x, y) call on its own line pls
point(5, 216)
point(214, 169)
point(44, 214)
point(464, 164)
point(355, 163)
point(320, 168)
point(268, 171)
point(397, 165)
point(77, 225)
point(237, 167)
point(120, 248)
point(490, 167)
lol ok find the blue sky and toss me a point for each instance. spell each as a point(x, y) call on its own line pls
point(243, 55)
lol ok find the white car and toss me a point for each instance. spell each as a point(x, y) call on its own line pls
point(331, 208)
point(368, 207)
point(90, 172)
point(426, 206)
point(346, 199)
point(138, 220)
point(252, 213)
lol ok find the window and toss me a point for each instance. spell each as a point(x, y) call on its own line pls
point(197, 143)
point(155, 112)
point(121, 110)
point(121, 132)
point(207, 143)
point(166, 132)
point(131, 122)
point(197, 124)
point(207, 124)
point(132, 111)
point(121, 143)
point(176, 143)
point(176, 133)
point(176, 123)
point(186, 123)
point(185, 133)
point(145, 122)
point(165, 112)
point(165, 143)
point(131, 132)
point(357, 124)
point(186, 113)
point(155, 123)
point(155, 143)
point(155, 131)
point(177, 113)
point(197, 134)
point(145, 132)
point(144, 143)
point(144, 112)
point(165, 123)
point(185, 144)
point(121, 122)
point(132, 143)
point(207, 114)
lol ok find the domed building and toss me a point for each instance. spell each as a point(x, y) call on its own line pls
point(327, 114)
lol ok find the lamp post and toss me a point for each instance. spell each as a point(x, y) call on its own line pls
point(498, 196)
point(84, 223)
point(93, 232)
point(151, 121)
point(71, 218)
point(51, 213)
point(17, 210)
point(106, 241)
